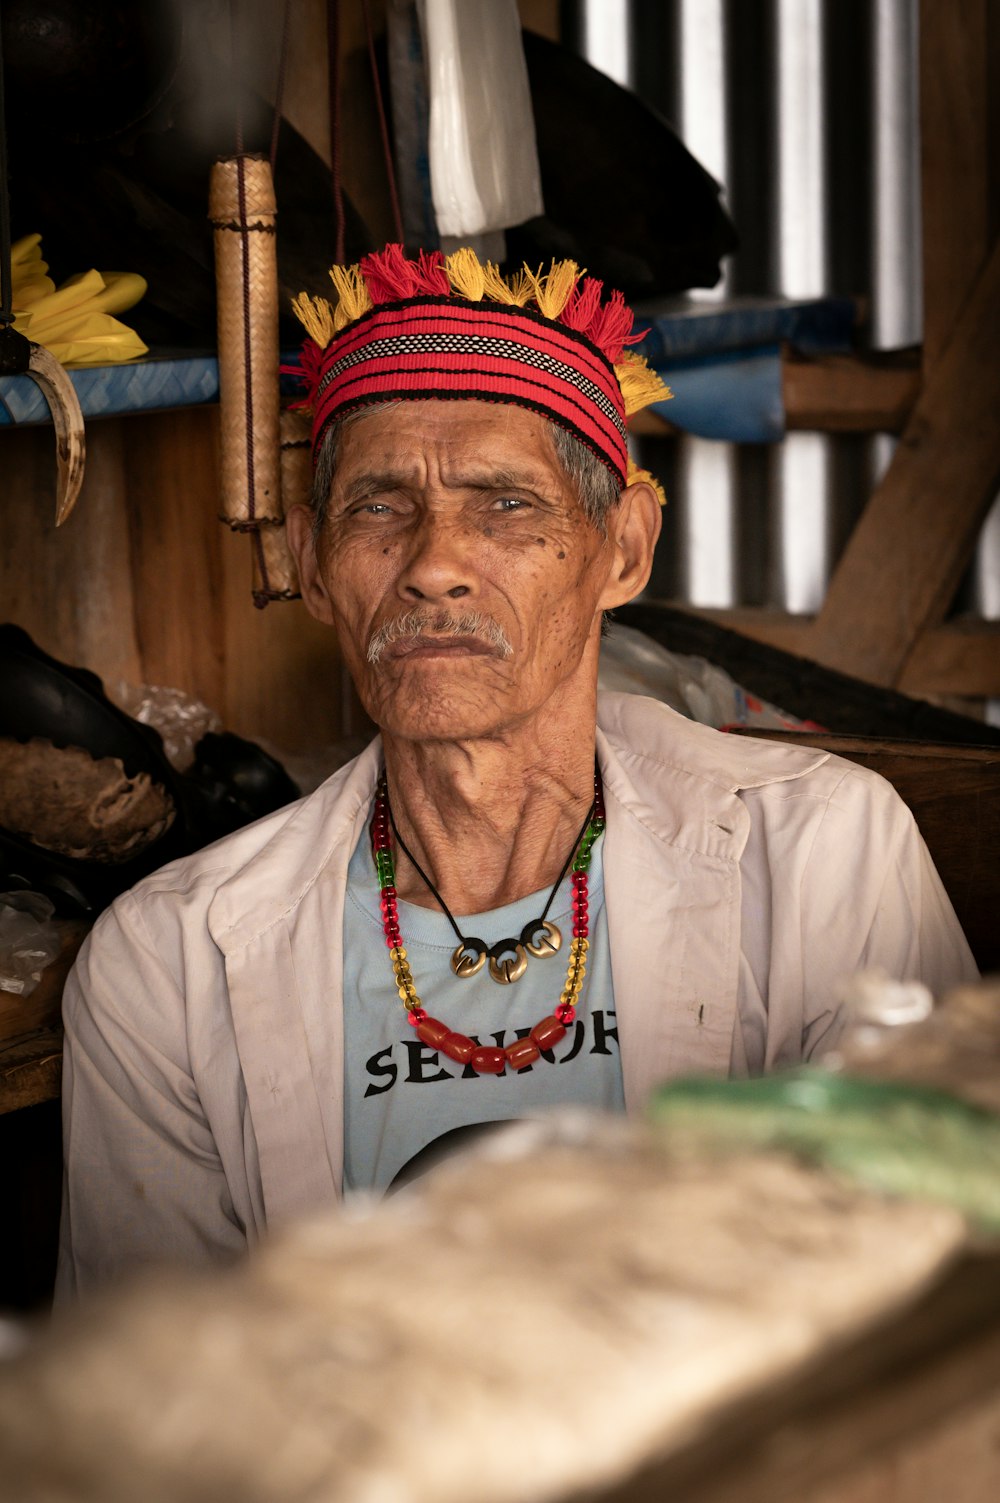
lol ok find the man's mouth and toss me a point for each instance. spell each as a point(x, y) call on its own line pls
point(422, 633)
point(426, 645)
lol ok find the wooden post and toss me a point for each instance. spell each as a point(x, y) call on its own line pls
point(954, 160)
point(905, 559)
point(907, 553)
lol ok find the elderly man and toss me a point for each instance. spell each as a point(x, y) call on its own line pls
point(517, 896)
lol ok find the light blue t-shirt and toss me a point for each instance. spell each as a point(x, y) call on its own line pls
point(400, 1094)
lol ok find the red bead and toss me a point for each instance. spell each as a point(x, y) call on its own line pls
point(415, 1015)
point(580, 931)
point(548, 1032)
point(579, 879)
point(488, 1061)
point(458, 1047)
point(523, 1052)
point(565, 1013)
point(432, 1031)
point(393, 939)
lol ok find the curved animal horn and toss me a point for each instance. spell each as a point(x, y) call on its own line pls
point(71, 448)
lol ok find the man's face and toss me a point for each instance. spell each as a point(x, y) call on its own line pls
point(459, 512)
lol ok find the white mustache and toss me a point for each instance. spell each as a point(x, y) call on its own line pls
point(416, 623)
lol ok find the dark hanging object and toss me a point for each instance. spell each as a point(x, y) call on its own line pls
point(113, 169)
point(87, 72)
point(623, 195)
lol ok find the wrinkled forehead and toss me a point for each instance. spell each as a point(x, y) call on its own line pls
point(467, 442)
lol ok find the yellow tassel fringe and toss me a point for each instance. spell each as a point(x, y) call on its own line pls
point(316, 317)
point(635, 474)
point(552, 291)
point(639, 384)
point(353, 296)
point(467, 274)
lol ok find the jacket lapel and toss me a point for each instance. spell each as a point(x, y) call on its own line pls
point(279, 923)
point(676, 830)
point(673, 926)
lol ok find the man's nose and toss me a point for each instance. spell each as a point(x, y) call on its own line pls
point(440, 562)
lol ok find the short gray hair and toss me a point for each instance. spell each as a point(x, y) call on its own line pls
point(598, 490)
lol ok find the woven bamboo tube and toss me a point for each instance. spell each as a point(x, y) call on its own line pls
point(296, 459)
point(275, 576)
point(242, 210)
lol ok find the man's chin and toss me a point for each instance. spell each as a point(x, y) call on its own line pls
point(437, 701)
point(433, 724)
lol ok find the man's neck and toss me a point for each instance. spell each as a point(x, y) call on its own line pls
point(493, 819)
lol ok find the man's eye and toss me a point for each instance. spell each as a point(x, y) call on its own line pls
point(510, 503)
point(371, 509)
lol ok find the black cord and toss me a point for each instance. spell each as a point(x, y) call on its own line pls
point(447, 911)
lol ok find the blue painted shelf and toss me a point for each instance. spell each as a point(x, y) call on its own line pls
point(722, 361)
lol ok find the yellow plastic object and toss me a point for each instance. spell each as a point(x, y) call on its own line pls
point(74, 322)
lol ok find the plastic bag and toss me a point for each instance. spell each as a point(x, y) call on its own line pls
point(29, 940)
point(483, 153)
point(180, 720)
point(633, 663)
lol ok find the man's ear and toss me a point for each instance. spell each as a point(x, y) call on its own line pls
point(299, 531)
point(633, 526)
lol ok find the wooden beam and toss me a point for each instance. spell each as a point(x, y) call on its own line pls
point(774, 628)
point(906, 556)
point(955, 59)
point(851, 393)
point(960, 657)
point(833, 394)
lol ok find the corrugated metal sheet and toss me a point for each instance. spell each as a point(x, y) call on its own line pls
point(807, 111)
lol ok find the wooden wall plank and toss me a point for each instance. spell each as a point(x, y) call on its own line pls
point(284, 679)
point(907, 553)
point(171, 466)
point(69, 587)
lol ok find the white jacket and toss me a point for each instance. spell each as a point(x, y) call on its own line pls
point(203, 1078)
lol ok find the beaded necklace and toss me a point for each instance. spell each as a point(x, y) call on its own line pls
point(438, 1035)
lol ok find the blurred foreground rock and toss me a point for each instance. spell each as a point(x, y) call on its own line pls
point(529, 1322)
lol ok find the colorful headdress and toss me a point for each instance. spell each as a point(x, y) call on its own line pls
point(453, 328)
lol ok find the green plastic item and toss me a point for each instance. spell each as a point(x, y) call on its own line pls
point(896, 1139)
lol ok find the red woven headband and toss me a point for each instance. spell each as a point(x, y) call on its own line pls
point(457, 330)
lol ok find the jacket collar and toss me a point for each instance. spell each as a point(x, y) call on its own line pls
point(271, 885)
